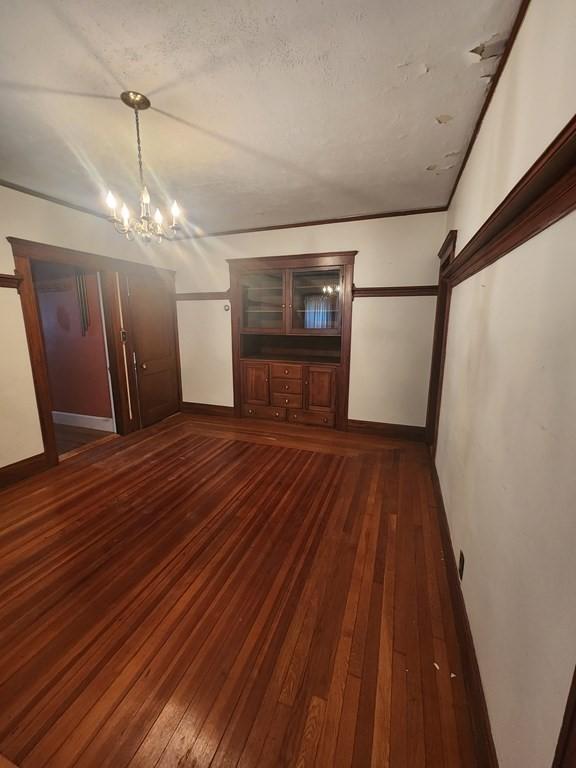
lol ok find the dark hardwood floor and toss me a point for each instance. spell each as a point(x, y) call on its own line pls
point(217, 592)
point(71, 438)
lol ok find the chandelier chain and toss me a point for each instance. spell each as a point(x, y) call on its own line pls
point(138, 142)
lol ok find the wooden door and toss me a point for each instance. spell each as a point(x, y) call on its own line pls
point(153, 329)
point(255, 385)
point(320, 386)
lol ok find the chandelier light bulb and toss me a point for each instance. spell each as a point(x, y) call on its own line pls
point(125, 213)
point(158, 218)
point(145, 196)
point(175, 210)
point(111, 201)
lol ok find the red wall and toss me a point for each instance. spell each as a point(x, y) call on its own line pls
point(76, 363)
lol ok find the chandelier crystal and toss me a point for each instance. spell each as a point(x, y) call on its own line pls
point(147, 227)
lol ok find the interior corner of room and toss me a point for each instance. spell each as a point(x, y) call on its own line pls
point(287, 382)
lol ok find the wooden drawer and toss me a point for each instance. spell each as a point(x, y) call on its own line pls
point(312, 418)
point(292, 386)
point(264, 412)
point(286, 400)
point(285, 371)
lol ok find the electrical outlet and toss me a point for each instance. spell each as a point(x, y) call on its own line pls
point(461, 565)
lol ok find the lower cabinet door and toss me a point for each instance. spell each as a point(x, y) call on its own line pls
point(255, 383)
point(320, 387)
point(264, 412)
point(312, 418)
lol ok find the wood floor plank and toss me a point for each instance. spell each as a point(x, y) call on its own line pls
point(223, 594)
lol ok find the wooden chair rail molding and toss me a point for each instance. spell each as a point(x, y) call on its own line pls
point(545, 194)
point(10, 281)
point(204, 296)
point(357, 293)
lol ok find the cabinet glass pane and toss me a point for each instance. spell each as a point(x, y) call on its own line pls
point(262, 300)
point(316, 299)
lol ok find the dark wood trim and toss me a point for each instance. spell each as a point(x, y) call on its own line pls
point(480, 721)
point(35, 338)
point(381, 429)
point(328, 259)
point(322, 222)
point(206, 409)
point(545, 194)
point(116, 321)
point(446, 256)
point(402, 290)
point(20, 470)
point(204, 296)
point(176, 338)
point(54, 253)
point(343, 371)
point(448, 249)
point(565, 756)
point(492, 89)
point(224, 232)
point(10, 281)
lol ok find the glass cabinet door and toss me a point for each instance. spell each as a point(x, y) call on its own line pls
point(316, 301)
point(263, 301)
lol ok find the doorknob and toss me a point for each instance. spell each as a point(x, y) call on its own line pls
point(144, 366)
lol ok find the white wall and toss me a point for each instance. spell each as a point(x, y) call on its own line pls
point(506, 458)
point(34, 219)
point(534, 100)
point(507, 438)
point(391, 338)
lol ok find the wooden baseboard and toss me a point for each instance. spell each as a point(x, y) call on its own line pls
point(205, 409)
point(400, 431)
point(484, 742)
point(20, 470)
point(5, 763)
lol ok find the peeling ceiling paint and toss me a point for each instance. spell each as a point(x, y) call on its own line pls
point(264, 112)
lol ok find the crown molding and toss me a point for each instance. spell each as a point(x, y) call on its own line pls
point(224, 232)
point(50, 198)
point(320, 222)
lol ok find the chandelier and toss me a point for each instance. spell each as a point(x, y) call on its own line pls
point(146, 226)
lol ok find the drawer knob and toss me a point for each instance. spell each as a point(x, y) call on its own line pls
point(325, 420)
point(250, 411)
point(286, 387)
point(276, 414)
point(294, 416)
point(286, 401)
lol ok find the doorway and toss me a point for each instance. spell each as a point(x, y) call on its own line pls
point(124, 313)
point(73, 326)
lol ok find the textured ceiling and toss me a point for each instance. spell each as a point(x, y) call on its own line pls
point(264, 111)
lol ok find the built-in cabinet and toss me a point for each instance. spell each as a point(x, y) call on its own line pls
point(291, 321)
